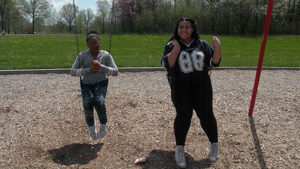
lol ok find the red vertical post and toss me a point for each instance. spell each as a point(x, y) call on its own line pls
point(261, 56)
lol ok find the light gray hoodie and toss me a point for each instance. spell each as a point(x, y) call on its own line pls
point(81, 67)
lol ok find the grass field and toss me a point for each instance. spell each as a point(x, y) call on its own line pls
point(59, 51)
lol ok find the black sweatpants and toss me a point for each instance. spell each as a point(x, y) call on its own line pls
point(189, 96)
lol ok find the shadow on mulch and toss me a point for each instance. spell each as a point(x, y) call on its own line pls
point(165, 160)
point(75, 153)
point(257, 145)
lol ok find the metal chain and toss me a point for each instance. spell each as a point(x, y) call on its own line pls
point(76, 34)
point(77, 46)
point(111, 23)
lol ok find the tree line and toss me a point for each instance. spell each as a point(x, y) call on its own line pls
point(227, 17)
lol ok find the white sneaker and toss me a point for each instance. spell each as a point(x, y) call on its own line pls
point(179, 156)
point(213, 154)
point(102, 131)
point(92, 132)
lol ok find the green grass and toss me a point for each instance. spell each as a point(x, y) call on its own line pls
point(281, 51)
point(59, 51)
point(138, 50)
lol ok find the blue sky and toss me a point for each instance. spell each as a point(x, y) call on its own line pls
point(82, 4)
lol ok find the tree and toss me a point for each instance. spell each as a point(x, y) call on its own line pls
point(68, 14)
point(243, 16)
point(36, 10)
point(88, 17)
point(8, 14)
point(3, 7)
point(297, 20)
point(103, 10)
point(80, 27)
point(12, 15)
point(188, 3)
point(126, 11)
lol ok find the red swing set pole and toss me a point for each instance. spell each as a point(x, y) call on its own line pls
point(261, 56)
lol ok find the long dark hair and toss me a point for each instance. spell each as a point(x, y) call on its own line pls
point(193, 25)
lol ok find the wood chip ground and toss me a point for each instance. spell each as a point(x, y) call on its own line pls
point(42, 122)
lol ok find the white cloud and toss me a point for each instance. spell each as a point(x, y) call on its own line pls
point(57, 4)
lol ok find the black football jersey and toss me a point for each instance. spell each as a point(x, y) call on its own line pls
point(193, 61)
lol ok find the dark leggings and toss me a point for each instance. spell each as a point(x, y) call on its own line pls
point(188, 96)
point(93, 96)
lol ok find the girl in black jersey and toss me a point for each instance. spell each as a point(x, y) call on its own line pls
point(188, 60)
